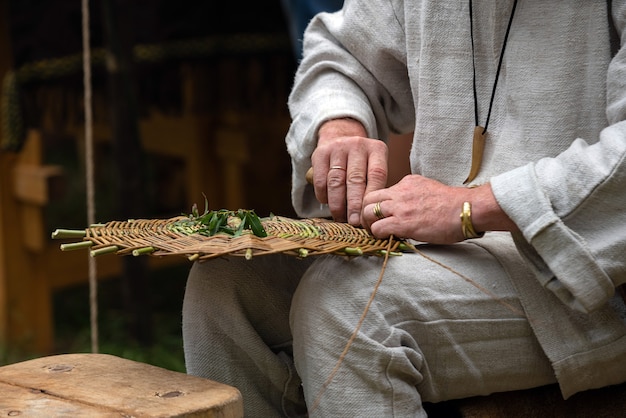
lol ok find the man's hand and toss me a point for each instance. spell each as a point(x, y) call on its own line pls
point(429, 211)
point(346, 166)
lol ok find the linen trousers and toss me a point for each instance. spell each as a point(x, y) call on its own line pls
point(275, 328)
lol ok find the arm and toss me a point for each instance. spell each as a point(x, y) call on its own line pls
point(335, 81)
point(570, 208)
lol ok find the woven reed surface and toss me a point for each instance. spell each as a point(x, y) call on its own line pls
point(284, 235)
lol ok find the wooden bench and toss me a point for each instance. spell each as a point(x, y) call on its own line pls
point(101, 385)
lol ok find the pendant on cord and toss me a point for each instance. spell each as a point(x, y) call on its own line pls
point(478, 148)
point(478, 143)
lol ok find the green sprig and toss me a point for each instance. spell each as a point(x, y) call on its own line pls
point(221, 221)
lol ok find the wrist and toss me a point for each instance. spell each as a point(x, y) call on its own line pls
point(342, 127)
point(467, 226)
point(486, 213)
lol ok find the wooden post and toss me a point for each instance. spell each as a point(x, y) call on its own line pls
point(128, 156)
point(25, 291)
point(24, 302)
point(25, 296)
point(6, 160)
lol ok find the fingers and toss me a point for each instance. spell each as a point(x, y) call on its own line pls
point(378, 212)
point(329, 181)
point(345, 171)
point(418, 208)
point(336, 189)
point(366, 172)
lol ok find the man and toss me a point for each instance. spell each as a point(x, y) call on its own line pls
point(518, 113)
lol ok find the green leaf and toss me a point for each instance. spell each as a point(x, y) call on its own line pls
point(255, 225)
point(217, 221)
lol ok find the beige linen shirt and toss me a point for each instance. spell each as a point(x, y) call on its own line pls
point(556, 146)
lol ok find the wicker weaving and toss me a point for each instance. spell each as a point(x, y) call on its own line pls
point(220, 233)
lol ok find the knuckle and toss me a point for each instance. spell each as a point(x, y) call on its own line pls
point(355, 199)
point(355, 177)
point(320, 189)
point(354, 204)
point(334, 182)
point(381, 145)
point(377, 174)
point(319, 183)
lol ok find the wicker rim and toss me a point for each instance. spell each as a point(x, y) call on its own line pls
point(297, 237)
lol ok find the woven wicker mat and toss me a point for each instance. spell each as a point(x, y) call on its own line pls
point(297, 237)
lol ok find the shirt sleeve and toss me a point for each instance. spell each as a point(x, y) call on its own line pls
point(349, 69)
point(571, 209)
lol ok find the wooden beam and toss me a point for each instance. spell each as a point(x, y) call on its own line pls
point(36, 184)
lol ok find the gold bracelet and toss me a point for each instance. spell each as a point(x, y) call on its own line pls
point(466, 222)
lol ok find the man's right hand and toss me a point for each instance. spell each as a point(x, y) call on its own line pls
point(346, 166)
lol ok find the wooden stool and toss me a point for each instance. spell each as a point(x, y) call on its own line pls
point(100, 385)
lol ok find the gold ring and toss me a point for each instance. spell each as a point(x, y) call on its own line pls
point(337, 167)
point(377, 211)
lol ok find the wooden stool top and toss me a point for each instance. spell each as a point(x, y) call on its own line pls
point(100, 385)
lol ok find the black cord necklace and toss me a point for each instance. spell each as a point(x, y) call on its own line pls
point(478, 143)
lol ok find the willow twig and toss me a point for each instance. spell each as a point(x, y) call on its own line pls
point(68, 233)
